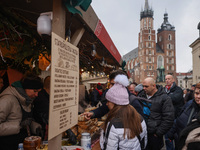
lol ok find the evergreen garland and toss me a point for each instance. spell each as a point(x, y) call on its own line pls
point(28, 45)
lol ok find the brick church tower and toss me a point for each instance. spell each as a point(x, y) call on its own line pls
point(166, 40)
point(151, 59)
point(147, 45)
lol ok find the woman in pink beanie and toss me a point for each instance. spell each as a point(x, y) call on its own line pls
point(124, 128)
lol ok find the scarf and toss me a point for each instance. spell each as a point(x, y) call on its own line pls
point(100, 93)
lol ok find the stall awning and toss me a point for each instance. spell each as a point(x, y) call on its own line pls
point(102, 34)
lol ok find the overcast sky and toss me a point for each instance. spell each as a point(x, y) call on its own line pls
point(121, 19)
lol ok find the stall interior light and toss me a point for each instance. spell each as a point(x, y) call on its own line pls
point(92, 67)
point(93, 53)
point(82, 70)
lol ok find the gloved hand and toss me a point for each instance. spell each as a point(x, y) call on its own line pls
point(35, 128)
point(26, 122)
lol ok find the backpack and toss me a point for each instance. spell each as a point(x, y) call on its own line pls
point(146, 109)
point(189, 138)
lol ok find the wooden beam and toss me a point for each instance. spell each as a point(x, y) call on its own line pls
point(77, 36)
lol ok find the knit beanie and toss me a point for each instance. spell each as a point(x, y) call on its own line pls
point(139, 88)
point(118, 93)
point(32, 83)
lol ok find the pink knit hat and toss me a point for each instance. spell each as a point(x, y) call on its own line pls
point(118, 93)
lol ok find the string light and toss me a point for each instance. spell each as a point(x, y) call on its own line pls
point(68, 35)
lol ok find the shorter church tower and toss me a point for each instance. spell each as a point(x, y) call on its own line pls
point(166, 41)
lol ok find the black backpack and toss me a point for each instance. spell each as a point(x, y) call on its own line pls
point(191, 145)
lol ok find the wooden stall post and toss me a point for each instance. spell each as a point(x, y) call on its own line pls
point(58, 27)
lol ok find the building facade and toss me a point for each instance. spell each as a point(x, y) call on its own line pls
point(184, 80)
point(151, 58)
point(196, 58)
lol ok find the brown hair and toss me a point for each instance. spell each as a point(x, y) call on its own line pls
point(197, 85)
point(129, 118)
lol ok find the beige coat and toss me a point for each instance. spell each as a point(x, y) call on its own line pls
point(10, 111)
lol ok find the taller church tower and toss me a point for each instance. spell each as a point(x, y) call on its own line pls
point(146, 46)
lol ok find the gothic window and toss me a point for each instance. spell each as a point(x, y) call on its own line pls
point(149, 37)
point(149, 30)
point(160, 61)
point(168, 46)
point(150, 68)
point(146, 59)
point(132, 66)
point(169, 37)
point(147, 67)
point(149, 22)
point(150, 52)
point(149, 59)
point(146, 51)
point(170, 60)
point(160, 38)
point(145, 22)
point(152, 45)
point(170, 53)
point(149, 44)
point(170, 68)
point(173, 68)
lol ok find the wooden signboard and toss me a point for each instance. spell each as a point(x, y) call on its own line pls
point(63, 112)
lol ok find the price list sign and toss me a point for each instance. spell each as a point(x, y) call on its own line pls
point(63, 111)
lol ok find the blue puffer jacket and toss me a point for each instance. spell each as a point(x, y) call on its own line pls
point(189, 112)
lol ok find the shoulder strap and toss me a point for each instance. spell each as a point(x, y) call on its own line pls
point(190, 116)
point(106, 135)
point(139, 138)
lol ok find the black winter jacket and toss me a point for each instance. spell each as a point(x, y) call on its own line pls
point(189, 112)
point(161, 112)
point(176, 94)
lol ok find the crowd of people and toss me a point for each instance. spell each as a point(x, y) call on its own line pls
point(142, 116)
point(165, 116)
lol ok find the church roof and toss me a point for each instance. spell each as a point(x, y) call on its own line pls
point(159, 49)
point(131, 55)
point(166, 25)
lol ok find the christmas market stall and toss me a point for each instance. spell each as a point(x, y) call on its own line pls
point(64, 39)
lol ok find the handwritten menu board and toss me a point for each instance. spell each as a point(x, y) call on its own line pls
point(63, 111)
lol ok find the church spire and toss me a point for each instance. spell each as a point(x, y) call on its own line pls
point(148, 12)
point(146, 6)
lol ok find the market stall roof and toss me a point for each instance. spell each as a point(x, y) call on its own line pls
point(94, 31)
